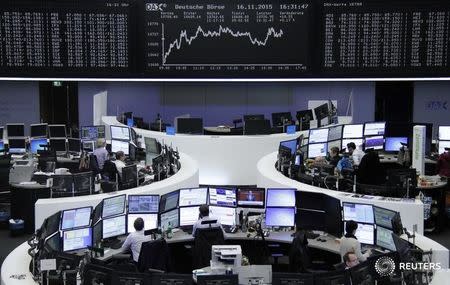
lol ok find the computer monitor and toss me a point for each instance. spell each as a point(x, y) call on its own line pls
point(113, 206)
point(403, 248)
point(188, 216)
point(360, 213)
point(130, 122)
point(35, 145)
point(333, 218)
point(251, 197)
point(308, 219)
point(92, 132)
point(193, 196)
point(169, 201)
point(375, 142)
point(304, 117)
point(280, 197)
point(171, 217)
point(83, 182)
point(190, 126)
point(291, 144)
point(74, 145)
point(57, 131)
point(152, 145)
point(374, 129)
point(443, 145)
point(335, 133)
point(383, 217)
point(225, 215)
point(17, 146)
point(444, 133)
point(352, 131)
point(280, 217)
point(120, 133)
point(77, 239)
point(318, 135)
point(317, 149)
point(357, 142)
point(150, 221)
point(38, 130)
point(384, 238)
point(51, 225)
point(143, 204)
point(88, 146)
point(321, 111)
point(310, 200)
point(397, 226)
point(76, 218)
point(365, 233)
point(58, 145)
point(115, 226)
point(257, 127)
point(53, 242)
point(280, 119)
point(222, 196)
point(15, 130)
point(393, 144)
point(2, 146)
point(336, 143)
point(282, 278)
point(117, 146)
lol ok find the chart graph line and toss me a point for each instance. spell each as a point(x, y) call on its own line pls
point(178, 43)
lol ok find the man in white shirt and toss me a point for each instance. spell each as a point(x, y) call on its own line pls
point(101, 153)
point(204, 216)
point(119, 162)
point(349, 243)
point(355, 153)
point(134, 240)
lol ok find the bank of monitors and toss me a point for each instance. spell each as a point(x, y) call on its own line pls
point(74, 145)
point(251, 197)
point(280, 197)
point(38, 130)
point(384, 239)
point(383, 217)
point(77, 239)
point(291, 144)
point(57, 131)
point(353, 131)
point(393, 144)
point(188, 216)
point(143, 204)
point(113, 206)
point(117, 145)
point(317, 149)
point(335, 133)
point(17, 146)
point(120, 133)
point(114, 226)
point(374, 129)
point(374, 142)
point(318, 135)
point(38, 144)
point(150, 221)
point(169, 201)
point(225, 215)
point(58, 145)
point(280, 217)
point(15, 130)
point(360, 213)
point(92, 133)
point(171, 217)
point(193, 196)
point(225, 197)
point(76, 218)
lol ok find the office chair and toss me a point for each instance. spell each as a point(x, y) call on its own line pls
point(154, 255)
point(203, 241)
point(299, 255)
point(110, 177)
point(62, 186)
point(82, 183)
point(93, 165)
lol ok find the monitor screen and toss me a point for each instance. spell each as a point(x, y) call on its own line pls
point(92, 132)
point(38, 130)
point(321, 111)
point(444, 133)
point(120, 146)
point(57, 131)
point(120, 133)
point(376, 142)
point(170, 217)
point(130, 122)
point(374, 129)
point(225, 215)
point(352, 131)
point(113, 206)
point(193, 196)
point(251, 197)
point(318, 135)
point(15, 130)
point(335, 133)
point(150, 221)
point(17, 146)
point(291, 144)
point(383, 217)
point(77, 239)
point(280, 197)
point(332, 144)
point(2, 146)
point(360, 213)
point(317, 149)
point(58, 145)
point(74, 145)
point(115, 226)
point(88, 146)
point(442, 146)
point(280, 217)
point(393, 144)
point(168, 201)
point(384, 238)
point(188, 216)
point(358, 143)
point(365, 233)
point(222, 197)
point(35, 145)
point(143, 204)
point(53, 242)
point(76, 218)
point(152, 145)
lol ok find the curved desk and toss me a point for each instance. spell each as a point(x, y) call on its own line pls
point(186, 177)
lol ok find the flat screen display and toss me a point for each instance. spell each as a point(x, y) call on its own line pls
point(357, 142)
point(15, 130)
point(222, 197)
point(365, 234)
point(74, 145)
point(77, 239)
point(384, 238)
point(280, 217)
point(115, 226)
point(193, 196)
point(376, 142)
point(188, 216)
point(17, 146)
point(280, 197)
point(117, 146)
point(225, 215)
point(171, 217)
point(38, 130)
point(394, 144)
point(383, 217)
point(335, 133)
point(168, 201)
point(143, 204)
point(58, 145)
point(251, 197)
point(113, 206)
point(374, 129)
point(76, 218)
point(120, 133)
point(150, 221)
point(442, 146)
point(318, 135)
point(92, 132)
point(353, 131)
point(57, 131)
point(291, 144)
point(317, 149)
point(35, 145)
point(444, 133)
point(360, 213)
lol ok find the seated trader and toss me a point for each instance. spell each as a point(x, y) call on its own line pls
point(350, 243)
point(204, 216)
point(355, 153)
point(101, 153)
point(134, 240)
point(119, 162)
point(350, 259)
point(334, 156)
point(370, 170)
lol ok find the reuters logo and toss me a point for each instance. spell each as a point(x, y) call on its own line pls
point(385, 266)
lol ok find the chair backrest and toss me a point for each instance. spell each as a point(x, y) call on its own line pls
point(82, 182)
point(299, 256)
point(93, 164)
point(154, 255)
point(63, 183)
point(110, 170)
point(204, 239)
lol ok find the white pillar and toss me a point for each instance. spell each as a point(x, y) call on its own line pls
point(418, 149)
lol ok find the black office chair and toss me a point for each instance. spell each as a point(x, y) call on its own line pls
point(62, 186)
point(110, 177)
point(93, 165)
point(82, 183)
point(154, 255)
point(204, 239)
point(299, 255)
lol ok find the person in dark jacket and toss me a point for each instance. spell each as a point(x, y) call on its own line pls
point(443, 164)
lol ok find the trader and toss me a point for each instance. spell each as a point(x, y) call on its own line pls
point(350, 243)
point(101, 153)
point(134, 240)
point(204, 216)
point(120, 162)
